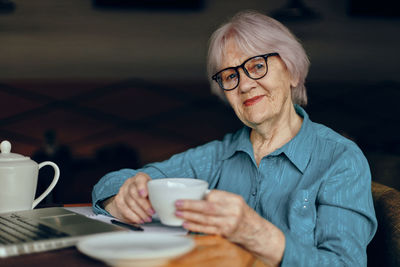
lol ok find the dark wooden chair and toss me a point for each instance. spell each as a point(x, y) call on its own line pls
point(384, 249)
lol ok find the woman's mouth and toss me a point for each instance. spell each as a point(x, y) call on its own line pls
point(253, 100)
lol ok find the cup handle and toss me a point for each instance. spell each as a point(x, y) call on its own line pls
point(51, 186)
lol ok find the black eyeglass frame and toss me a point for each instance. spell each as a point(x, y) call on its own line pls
point(265, 56)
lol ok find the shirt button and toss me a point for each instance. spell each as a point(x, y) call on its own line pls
point(306, 199)
point(254, 193)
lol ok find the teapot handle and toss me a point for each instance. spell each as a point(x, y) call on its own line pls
point(51, 186)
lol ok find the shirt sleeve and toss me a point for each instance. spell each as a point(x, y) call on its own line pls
point(345, 222)
point(201, 162)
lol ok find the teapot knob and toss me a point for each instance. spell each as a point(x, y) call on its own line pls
point(5, 147)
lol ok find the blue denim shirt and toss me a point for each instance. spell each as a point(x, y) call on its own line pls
point(316, 189)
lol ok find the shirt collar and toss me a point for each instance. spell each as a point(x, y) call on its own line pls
point(298, 150)
point(240, 142)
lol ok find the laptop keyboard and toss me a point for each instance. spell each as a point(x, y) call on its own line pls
point(15, 229)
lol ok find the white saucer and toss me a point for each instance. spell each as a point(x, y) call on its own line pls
point(123, 248)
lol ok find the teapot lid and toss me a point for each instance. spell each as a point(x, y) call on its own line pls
point(6, 154)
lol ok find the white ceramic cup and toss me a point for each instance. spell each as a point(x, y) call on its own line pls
point(163, 193)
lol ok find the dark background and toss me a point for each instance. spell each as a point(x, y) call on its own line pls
point(96, 86)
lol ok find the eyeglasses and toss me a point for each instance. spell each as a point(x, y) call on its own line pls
point(254, 67)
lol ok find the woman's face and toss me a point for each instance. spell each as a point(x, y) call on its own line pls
point(261, 101)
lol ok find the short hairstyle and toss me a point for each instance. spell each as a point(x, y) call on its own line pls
point(255, 33)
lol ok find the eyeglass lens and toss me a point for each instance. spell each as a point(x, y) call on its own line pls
point(254, 68)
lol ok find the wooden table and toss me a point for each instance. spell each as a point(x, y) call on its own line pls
point(209, 251)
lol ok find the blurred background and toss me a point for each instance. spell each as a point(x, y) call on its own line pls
point(96, 86)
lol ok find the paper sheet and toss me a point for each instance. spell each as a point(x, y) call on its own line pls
point(153, 227)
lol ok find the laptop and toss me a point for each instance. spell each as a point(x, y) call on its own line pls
point(29, 231)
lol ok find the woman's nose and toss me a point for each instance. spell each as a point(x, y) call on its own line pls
point(245, 83)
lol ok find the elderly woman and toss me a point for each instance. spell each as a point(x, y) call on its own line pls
point(293, 192)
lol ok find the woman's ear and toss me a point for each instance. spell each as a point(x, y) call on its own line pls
point(294, 81)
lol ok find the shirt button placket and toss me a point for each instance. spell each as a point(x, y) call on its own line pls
point(255, 188)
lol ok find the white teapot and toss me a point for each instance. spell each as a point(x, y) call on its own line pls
point(18, 180)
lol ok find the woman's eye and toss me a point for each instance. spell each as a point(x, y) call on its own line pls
point(230, 77)
point(259, 66)
point(256, 69)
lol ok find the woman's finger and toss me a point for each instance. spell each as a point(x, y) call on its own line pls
point(141, 180)
point(201, 218)
point(218, 205)
point(200, 228)
point(136, 202)
point(200, 206)
point(146, 206)
point(135, 208)
point(123, 211)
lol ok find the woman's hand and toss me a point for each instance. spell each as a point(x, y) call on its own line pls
point(221, 213)
point(228, 215)
point(131, 204)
